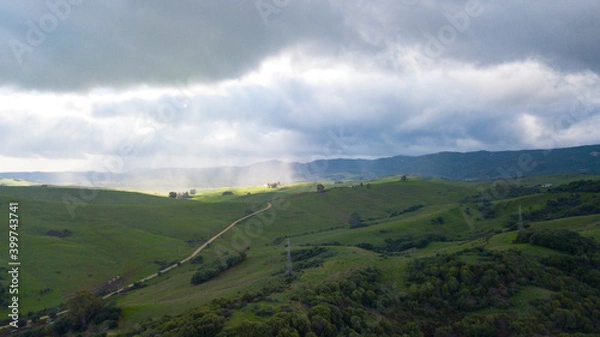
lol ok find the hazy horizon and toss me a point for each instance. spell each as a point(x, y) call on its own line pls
point(280, 161)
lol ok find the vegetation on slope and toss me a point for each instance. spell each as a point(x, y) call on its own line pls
point(212, 270)
point(446, 297)
point(419, 258)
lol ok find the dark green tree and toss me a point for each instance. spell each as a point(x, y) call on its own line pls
point(355, 220)
point(83, 306)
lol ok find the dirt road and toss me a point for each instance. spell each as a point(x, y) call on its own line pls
point(196, 252)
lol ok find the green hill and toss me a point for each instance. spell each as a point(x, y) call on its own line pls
point(470, 166)
point(114, 234)
point(402, 247)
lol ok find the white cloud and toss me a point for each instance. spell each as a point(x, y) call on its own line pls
point(354, 82)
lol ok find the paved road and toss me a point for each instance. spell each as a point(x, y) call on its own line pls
point(196, 252)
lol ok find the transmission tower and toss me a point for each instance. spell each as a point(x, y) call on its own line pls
point(520, 223)
point(288, 267)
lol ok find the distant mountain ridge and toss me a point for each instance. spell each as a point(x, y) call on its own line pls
point(480, 165)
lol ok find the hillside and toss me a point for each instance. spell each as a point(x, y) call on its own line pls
point(115, 234)
point(400, 233)
point(473, 166)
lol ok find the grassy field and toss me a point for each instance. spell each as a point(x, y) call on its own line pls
point(125, 234)
point(115, 234)
point(14, 182)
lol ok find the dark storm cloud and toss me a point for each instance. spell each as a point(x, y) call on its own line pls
point(121, 43)
point(563, 33)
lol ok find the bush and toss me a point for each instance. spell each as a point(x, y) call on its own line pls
point(563, 240)
point(198, 259)
point(207, 272)
point(355, 221)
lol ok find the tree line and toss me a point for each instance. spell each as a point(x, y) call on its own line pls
point(212, 270)
point(468, 293)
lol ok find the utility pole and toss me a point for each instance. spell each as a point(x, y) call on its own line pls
point(520, 223)
point(288, 267)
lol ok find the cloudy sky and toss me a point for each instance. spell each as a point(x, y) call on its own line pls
point(208, 83)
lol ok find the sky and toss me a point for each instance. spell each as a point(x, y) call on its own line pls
point(87, 85)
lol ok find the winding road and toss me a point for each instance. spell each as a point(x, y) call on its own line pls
point(196, 252)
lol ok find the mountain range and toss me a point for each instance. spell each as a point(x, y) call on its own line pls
point(472, 166)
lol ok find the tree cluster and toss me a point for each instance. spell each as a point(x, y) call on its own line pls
point(182, 195)
point(274, 185)
point(585, 186)
point(86, 314)
point(403, 243)
point(413, 208)
point(563, 240)
point(198, 322)
point(501, 191)
point(568, 206)
point(464, 294)
point(355, 221)
point(212, 270)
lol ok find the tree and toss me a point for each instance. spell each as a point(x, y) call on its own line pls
point(355, 221)
point(320, 188)
point(404, 178)
point(173, 195)
point(193, 191)
point(83, 306)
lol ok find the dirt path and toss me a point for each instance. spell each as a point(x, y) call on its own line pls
point(196, 252)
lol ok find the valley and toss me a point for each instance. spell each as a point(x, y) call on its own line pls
point(380, 227)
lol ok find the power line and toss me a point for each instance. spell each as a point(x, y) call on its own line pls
point(288, 268)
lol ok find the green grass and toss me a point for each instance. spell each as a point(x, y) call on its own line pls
point(108, 240)
point(14, 182)
point(521, 300)
point(123, 233)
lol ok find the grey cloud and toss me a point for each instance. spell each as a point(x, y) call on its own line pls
point(118, 44)
point(124, 43)
point(394, 98)
point(64, 138)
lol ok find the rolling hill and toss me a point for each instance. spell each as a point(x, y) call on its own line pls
point(406, 231)
point(471, 166)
